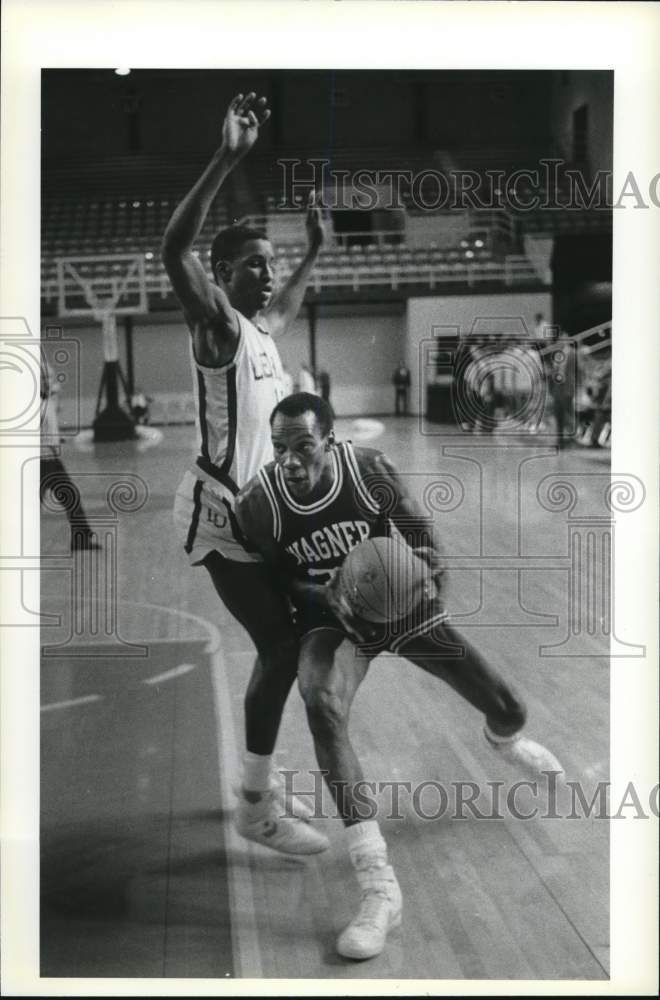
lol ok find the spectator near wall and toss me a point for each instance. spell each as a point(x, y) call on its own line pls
point(324, 385)
point(562, 385)
point(465, 404)
point(323, 381)
point(401, 381)
point(541, 328)
point(54, 478)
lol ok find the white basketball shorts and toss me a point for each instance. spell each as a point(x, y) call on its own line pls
point(205, 522)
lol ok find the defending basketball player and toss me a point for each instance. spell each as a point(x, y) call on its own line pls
point(305, 512)
point(238, 379)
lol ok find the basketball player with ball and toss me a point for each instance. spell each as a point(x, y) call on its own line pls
point(336, 522)
point(238, 379)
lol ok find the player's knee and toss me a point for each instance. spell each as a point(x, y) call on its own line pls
point(269, 684)
point(279, 652)
point(326, 712)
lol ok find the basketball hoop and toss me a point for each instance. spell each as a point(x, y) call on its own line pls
point(115, 288)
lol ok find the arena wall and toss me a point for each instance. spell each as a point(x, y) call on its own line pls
point(359, 350)
point(359, 347)
point(432, 316)
point(574, 88)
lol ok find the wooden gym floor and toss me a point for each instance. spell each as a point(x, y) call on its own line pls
point(142, 872)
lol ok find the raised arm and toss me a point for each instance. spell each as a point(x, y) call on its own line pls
point(286, 304)
point(202, 300)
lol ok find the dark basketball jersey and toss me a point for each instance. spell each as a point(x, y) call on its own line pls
point(315, 538)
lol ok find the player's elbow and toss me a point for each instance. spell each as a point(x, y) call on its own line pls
point(174, 243)
point(170, 251)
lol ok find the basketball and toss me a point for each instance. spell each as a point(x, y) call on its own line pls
point(382, 579)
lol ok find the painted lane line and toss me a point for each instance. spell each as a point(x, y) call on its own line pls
point(243, 920)
point(86, 699)
point(183, 668)
point(247, 954)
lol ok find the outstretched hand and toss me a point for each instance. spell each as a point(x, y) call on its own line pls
point(245, 115)
point(314, 223)
point(436, 567)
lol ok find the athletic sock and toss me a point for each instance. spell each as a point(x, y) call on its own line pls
point(497, 738)
point(257, 771)
point(365, 840)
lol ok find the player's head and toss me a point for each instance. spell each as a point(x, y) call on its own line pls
point(242, 263)
point(302, 435)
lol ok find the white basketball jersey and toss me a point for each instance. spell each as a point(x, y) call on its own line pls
point(234, 404)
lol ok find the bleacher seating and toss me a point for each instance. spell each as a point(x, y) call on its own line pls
point(125, 223)
point(135, 226)
point(121, 204)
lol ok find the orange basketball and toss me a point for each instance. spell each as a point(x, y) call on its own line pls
point(382, 579)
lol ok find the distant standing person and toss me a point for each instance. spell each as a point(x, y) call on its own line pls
point(562, 386)
point(465, 403)
point(324, 385)
point(602, 403)
point(540, 327)
point(479, 376)
point(54, 478)
point(401, 381)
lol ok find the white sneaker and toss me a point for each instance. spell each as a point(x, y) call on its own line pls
point(526, 755)
point(380, 911)
point(263, 823)
point(289, 805)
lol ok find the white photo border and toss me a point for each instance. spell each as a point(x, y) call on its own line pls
point(378, 35)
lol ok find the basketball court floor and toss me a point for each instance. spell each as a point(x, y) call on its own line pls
point(142, 872)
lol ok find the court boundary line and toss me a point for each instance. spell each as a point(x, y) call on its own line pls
point(243, 923)
point(85, 699)
point(243, 931)
point(247, 954)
